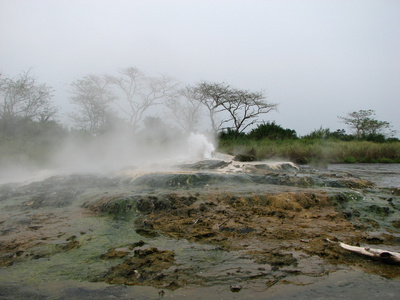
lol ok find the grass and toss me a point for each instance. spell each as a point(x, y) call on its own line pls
point(315, 151)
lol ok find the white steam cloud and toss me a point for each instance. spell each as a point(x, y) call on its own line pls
point(200, 146)
point(115, 151)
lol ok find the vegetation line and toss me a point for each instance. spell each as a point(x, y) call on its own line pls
point(305, 151)
point(271, 141)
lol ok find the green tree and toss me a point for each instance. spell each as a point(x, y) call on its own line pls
point(364, 124)
point(271, 131)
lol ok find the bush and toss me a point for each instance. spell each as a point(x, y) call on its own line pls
point(377, 138)
point(340, 134)
point(350, 160)
point(319, 134)
point(29, 141)
point(230, 134)
point(271, 131)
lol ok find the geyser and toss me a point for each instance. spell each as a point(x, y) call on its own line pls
point(200, 146)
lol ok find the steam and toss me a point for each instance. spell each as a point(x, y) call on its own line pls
point(115, 151)
point(200, 146)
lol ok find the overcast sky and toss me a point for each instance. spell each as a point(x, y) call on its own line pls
point(318, 59)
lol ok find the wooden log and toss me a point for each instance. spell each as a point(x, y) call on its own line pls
point(389, 257)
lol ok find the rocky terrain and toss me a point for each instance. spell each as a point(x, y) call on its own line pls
point(208, 229)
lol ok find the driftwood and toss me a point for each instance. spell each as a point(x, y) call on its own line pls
point(378, 254)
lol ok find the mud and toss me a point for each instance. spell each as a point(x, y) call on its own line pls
point(221, 227)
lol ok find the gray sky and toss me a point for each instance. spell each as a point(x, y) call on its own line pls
point(318, 59)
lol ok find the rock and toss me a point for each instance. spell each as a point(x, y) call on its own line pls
point(209, 164)
point(396, 191)
point(137, 244)
point(244, 158)
point(144, 268)
point(114, 253)
point(147, 232)
point(276, 258)
point(235, 288)
point(279, 166)
point(71, 243)
point(396, 223)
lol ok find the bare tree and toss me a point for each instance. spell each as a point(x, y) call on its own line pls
point(185, 109)
point(244, 107)
point(212, 95)
point(92, 97)
point(140, 92)
point(24, 98)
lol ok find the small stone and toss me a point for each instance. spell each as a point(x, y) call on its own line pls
point(244, 158)
point(235, 288)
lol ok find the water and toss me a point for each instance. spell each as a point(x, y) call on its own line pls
point(383, 175)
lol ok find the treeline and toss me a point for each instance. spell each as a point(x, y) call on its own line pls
point(121, 104)
point(107, 105)
point(318, 148)
point(274, 132)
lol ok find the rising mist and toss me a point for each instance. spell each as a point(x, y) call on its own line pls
point(155, 148)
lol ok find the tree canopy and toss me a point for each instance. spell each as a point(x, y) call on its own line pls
point(22, 97)
point(241, 108)
point(92, 97)
point(364, 124)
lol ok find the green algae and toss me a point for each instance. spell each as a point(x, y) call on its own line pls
point(53, 261)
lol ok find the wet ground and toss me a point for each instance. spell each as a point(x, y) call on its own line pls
point(213, 229)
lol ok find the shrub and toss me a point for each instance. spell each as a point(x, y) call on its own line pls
point(350, 160)
point(271, 131)
point(385, 160)
point(29, 142)
point(230, 134)
point(318, 134)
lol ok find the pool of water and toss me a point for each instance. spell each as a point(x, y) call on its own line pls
point(383, 175)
